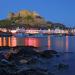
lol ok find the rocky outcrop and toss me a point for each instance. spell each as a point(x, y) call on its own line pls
point(15, 63)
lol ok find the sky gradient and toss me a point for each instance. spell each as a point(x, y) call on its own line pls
point(62, 11)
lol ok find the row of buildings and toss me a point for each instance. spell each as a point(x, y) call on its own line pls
point(34, 31)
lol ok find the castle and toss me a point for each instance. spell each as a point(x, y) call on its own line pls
point(23, 13)
point(22, 17)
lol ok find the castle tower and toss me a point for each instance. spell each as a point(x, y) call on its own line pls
point(24, 13)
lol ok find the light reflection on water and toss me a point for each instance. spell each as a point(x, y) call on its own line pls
point(32, 42)
point(67, 43)
point(64, 43)
point(49, 42)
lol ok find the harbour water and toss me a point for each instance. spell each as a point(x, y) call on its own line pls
point(65, 45)
point(51, 42)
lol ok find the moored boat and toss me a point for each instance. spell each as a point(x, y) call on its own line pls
point(37, 35)
point(5, 34)
point(20, 35)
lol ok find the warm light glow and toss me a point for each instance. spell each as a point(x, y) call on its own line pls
point(13, 31)
point(32, 42)
point(4, 41)
point(13, 42)
point(9, 41)
point(0, 41)
point(49, 42)
point(67, 43)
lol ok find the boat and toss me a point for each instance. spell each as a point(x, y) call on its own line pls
point(37, 35)
point(20, 35)
point(5, 34)
point(58, 35)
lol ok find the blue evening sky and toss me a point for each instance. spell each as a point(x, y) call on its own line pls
point(62, 11)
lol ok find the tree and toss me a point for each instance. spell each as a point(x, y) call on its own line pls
point(28, 20)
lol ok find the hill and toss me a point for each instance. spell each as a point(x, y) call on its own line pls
point(27, 19)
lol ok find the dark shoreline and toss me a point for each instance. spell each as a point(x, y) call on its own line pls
point(12, 61)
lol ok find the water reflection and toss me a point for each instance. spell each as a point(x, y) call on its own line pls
point(58, 43)
point(64, 43)
point(13, 42)
point(0, 41)
point(7, 41)
point(67, 43)
point(32, 42)
point(49, 42)
point(20, 41)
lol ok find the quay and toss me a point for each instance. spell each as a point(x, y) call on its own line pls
point(4, 31)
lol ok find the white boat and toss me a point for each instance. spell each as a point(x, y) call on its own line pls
point(20, 35)
point(20, 32)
